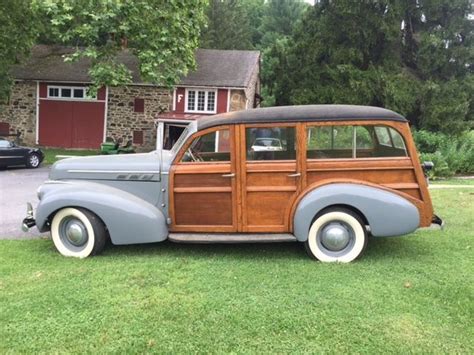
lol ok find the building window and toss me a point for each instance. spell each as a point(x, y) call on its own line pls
point(69, 92)
point(200, 100)
point(137, 137)
point(139, 105)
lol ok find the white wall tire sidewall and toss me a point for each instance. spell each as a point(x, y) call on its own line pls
point(359, 235)
point(63, 249)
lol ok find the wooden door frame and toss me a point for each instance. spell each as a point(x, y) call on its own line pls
point(242, 148)
point(218, 168)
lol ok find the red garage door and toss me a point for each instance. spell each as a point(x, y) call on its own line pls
point(67, 119)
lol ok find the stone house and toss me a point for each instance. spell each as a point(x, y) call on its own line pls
point(50, 106)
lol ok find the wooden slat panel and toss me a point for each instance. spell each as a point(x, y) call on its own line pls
point(270, 179)
point(377, 177)
point(201, 189)
point(271, 188)
point(211, 208)
point(201, 180)
point(268, 208)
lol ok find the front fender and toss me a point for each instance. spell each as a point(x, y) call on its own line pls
point(129, 219)
point(388, 214)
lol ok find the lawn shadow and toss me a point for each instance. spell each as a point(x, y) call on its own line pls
point(404, 247)
point(234, 251)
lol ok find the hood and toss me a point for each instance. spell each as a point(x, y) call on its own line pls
point(142, 167)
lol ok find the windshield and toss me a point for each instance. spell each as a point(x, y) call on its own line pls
point(180, 141)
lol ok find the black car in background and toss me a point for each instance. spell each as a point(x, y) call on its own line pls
point(12, 155)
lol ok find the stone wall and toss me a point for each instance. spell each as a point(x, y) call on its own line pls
point(245, 99)
point(122, 120)
point(20, 111)
point(253, 88)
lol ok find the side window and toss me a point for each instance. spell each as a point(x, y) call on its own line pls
point(270, 143)
point(330, 142)
point(213, 146)
point(383, 136)
point(397, 139)
point(342, 142)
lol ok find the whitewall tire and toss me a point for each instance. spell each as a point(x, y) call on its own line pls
point(77, 232)
point(336, 235)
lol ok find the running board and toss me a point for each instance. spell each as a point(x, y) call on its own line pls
point(203, 238)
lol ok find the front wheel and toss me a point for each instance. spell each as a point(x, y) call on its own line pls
point(337, 235)
point(78, 233)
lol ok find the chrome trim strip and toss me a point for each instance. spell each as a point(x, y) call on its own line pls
point(49, 182)
point(113, 171)
point(12, 156)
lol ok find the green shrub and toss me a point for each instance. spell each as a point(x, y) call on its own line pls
point(450, 154)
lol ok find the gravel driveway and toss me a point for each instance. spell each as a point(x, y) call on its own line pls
point(17, 187)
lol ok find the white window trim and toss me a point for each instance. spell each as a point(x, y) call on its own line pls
point(72, 88)
point(207, 91)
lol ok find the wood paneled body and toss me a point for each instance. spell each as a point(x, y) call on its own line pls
point(262, 195)
point(268, 193)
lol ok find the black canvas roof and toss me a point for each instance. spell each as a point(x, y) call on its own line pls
point(301, 114)
point(215, 68)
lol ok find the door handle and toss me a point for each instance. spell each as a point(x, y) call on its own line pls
point(231, 175)
point(294, 175)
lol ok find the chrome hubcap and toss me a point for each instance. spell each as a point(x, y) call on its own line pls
point(335, 236)
point(34, 160)
point(75, 232)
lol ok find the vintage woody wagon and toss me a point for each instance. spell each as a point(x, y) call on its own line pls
point(325, 175)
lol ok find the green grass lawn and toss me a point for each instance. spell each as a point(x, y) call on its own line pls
point(50, 153)
point(453, 181)
point(408, 294)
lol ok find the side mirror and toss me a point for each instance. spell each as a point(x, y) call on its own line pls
point(12, 144)
point(427, 166)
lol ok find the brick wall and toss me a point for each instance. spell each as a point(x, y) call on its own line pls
point(20, 111)
point(122, 120)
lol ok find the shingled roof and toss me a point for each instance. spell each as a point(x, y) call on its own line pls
point(216, 68)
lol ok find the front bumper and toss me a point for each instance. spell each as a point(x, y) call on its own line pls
point(28, 221)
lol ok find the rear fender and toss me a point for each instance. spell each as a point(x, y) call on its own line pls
point(387, 213)
point(129, 219)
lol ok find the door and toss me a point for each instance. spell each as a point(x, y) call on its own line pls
point(11, 155)
point(270, 176)
point(203, 183)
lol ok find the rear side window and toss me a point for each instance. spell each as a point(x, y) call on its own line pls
point(343, 142)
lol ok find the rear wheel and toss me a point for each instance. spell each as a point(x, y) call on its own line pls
point(78, 232)
point(33, 161)
point(337, 235)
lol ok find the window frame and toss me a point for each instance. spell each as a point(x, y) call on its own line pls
point(309, 125)
point(69, 98)
point(196, 90)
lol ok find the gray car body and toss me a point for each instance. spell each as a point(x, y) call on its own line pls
point(129, 193)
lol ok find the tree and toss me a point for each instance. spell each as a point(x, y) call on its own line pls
point(413, 56)
point(227, 26)
point(279, 19)
point(17, 35)
point(163, 34)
